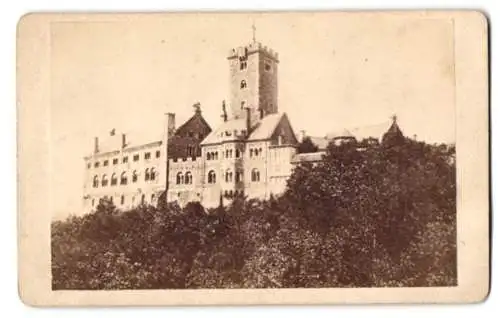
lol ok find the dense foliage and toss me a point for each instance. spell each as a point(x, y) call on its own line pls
point(377, 216)
point(306, 145)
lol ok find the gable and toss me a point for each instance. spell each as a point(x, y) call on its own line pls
point(285, 130)
point(187, 138)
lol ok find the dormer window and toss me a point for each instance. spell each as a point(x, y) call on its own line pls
point(243, 84)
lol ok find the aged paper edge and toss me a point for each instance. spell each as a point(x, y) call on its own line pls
point(33, 96)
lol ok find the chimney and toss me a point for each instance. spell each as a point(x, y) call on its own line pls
point(248, 120)
point(96, 144)
point(170, 124)
point(124, 140)
point(302, 135)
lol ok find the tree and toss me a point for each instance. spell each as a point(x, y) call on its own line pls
point(306, 145)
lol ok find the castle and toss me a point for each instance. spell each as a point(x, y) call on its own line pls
point(251, 153)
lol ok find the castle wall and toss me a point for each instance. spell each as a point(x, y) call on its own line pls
point(185, 180)
point(125, 193)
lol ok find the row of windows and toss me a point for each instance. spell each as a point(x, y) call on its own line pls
point(228, 153)
point(231, 193)
point(228, 176)
point(149, 175)
point(105, 163)
point(123, 201)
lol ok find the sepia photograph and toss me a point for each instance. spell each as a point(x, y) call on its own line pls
point(261, 151)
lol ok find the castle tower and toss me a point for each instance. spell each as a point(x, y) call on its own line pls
point(253, 71)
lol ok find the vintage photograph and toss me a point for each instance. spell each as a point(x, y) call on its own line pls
point(264, 171)
point(258, 151)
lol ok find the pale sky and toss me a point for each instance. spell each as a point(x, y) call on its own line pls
point(336, 71)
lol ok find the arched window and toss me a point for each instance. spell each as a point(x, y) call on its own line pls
point(216, 155)
point(260, 151)
point(242, 104)
point(95, 183)
point(146, 174)
point(122, 200)
point(134, 176)
point(255, 175)
point(143, 198)
point(239, 176)
point(230, 193)
point(243, 84)
point(93, 202)
point(227, 153)
point(251, 152)
point(211, 177)
point(209, 156)
point(114, 179)
point(152, 174)
point(229, 175)
point(237, 153)
point(123, 178)
point(152, 197)
point(188, 178)
point(180, 178)
point(104, 180)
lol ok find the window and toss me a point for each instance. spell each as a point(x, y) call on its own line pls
point(239, 176)
point(237, 153)
point(227, 153)
point(152, 197)
point(191, 134)
point(243, 65)
point(180, 178)
point(211, 177)
point(105, 163)
point(242, 104)
point(114, 180)
point(255, 175)
point(188, 178)
point(96, 164)
point(209, 156)
point(95, 183)
point(152, 174)
point(251, 152)
point(123, 178)
point(216, 154)
point(147, 155)
point(157, 153)
point(267, 67)
point(280, 140)
point(115, 161)
point(134, 176)
point(93, 202)
point(229, 176)
point(143, 198)
point(104, 180)
point(136, 157)
point(122, 200)
point(146, 174)
point(125, 159)
point(89, 165)
point(111, 199)
point(243, 84)
point(190, 151)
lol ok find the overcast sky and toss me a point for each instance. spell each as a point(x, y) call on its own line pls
point(336, 71)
